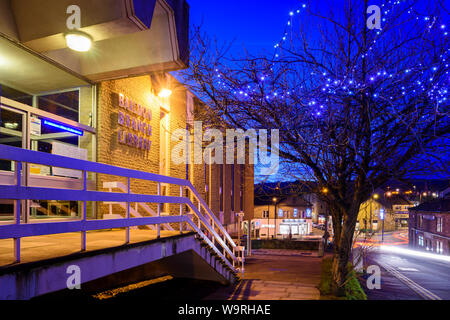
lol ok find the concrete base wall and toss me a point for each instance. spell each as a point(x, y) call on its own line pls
point(181, 256)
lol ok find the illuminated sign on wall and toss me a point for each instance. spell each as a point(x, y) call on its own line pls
point(382, 213)
point(134, 120)
point(63, 127)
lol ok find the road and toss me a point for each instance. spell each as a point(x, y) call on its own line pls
point(406, 276)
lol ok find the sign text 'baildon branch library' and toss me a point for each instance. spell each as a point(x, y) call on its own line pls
point(135, 130)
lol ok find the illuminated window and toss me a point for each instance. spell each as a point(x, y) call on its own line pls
point(295, 213)
point(439, 247)
point(280, 213)
point(421, 241)
point(439, 224)
point(308, 212)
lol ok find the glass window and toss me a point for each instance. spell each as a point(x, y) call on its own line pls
point(16, 95)
point(439, 224)
point(421, 241)
point(308, 212)
point(439, 247)
point(11, 132)
point(65, 104)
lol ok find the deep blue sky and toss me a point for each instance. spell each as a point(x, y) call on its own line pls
point(256, 24)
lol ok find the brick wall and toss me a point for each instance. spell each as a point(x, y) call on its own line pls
point(110, 151)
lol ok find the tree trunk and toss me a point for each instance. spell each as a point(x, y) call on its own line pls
point(342, 250)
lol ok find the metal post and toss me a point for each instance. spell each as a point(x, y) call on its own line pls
point(249, 238)
point(83, 218)
point(275, 229)
point(234, 254)
point(239, 229)
point(127, 236)
point(181, 209)
point(213, 238)
point(159, 211)
point(199, 213)
point(18, 211)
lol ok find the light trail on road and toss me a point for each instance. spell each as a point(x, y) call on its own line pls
point(427, 255)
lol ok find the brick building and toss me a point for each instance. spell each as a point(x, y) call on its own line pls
point(429, 226)
point(392, 208)
point(280, 215)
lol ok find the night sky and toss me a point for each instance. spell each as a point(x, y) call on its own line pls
point(256, 24)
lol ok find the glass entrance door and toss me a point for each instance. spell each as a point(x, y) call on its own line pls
point(12, 129)
point(12, 133)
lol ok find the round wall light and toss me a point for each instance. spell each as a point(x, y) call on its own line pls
point(78, 40)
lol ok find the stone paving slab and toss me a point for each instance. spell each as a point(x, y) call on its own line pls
point(276, 277)
point(51, 246)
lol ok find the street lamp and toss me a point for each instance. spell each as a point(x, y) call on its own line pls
point(325, 234)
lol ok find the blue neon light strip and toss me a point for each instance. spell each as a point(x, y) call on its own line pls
point(63, 127)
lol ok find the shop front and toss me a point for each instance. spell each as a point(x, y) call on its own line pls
point(282, 228)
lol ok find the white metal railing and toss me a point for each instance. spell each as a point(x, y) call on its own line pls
point(206, 226)
point(133, 211)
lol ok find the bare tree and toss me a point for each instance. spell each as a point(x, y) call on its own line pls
point(355, 106)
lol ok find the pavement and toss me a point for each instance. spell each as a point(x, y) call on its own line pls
point(57, 245)
point(275, 275)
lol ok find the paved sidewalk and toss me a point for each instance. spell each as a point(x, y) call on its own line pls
point(275, 276)
point(57, 245)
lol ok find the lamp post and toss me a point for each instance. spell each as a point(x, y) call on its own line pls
point(382, 219)
point(325, 234)
point(375, 197)
point(274, 199)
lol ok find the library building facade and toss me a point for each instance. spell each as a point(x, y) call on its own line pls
point(114, 103)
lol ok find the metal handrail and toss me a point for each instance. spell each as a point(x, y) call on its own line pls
point(19, 192)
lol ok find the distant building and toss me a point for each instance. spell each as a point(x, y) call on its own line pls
point(429, 226)
point(391, 207)
point(417, 190)
point(278, 216)
point(319, 208)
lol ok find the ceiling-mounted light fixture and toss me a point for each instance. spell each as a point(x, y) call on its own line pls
point(78, 40)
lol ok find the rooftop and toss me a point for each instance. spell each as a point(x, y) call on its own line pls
point(437, 205)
